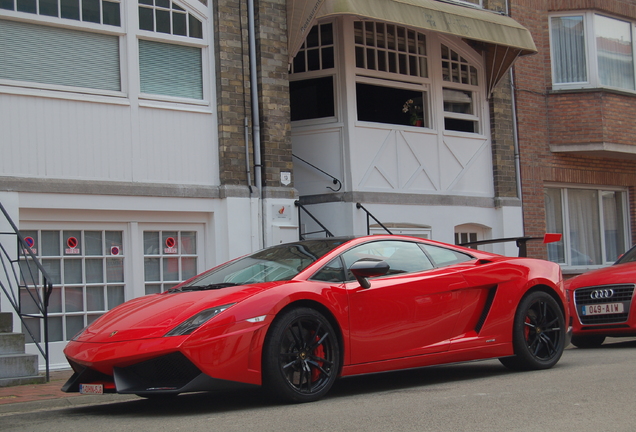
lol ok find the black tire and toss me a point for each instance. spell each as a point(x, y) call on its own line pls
point(592, 341)
point(538, 334)
point(301, 356)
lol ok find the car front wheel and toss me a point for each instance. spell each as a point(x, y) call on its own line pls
point(538, 333)
point(301, 356)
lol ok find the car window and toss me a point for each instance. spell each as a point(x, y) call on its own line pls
point(629, 256)
point(332, 272)
point(444, 257)
point(402, 257)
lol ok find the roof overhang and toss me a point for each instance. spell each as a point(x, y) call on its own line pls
point(500, 38)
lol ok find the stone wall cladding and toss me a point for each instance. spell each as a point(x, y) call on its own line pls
point(584, 115)
point(231, 52)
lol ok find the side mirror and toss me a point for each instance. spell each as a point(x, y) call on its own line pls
point(366, 268)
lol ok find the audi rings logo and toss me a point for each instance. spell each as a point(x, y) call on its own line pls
point(602, 294)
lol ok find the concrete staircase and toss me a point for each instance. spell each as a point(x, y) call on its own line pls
point(16, 367)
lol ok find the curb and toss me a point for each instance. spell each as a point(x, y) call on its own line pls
point(67, 402)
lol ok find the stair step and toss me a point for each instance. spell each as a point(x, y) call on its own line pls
point(10, 382)
point(18, 365)
point(11, 343)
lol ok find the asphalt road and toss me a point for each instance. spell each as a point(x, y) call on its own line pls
point(588, 390)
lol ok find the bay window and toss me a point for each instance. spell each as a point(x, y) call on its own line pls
point(592, 222)
point(590, 50)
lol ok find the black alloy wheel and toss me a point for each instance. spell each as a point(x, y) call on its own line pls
point(301, 357)
point(538, 333)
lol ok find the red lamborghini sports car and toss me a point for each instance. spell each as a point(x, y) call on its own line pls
point(601, 301)
point(295, 317)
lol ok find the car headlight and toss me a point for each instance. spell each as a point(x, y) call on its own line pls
point(196, 321)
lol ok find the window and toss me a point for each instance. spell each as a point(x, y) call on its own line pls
point(312, 98)
point(444, 257)
point(313, 95)
point(592, 50)
point(400, 106)
point(402, 257)
point(460, 108)
point(94, 11)
point(170, 257)
point(87, 271)
point(57, 56)
point(167, 68)
point(592, 222)
point(390, 48)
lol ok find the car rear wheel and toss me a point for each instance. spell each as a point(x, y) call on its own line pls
point(588, 341)
point(301, 356)
point(538, 333)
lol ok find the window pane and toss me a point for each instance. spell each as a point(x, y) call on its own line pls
point(312, 98)
point(151, 243)
point(57, 56)
point(110, 11)
point(196, 27)
point(568, 49)
point(146, 19)
point(93, 242)
point(162, 21)
point(153, 289)
point(55, 301)
point(29, 6)
point(614, 51)
point(179, 24)
point(170, 70)
point(48, 7)
point(585, 238)
point(72, 271)
point(115, 296)
point(114, 270)
point(70, 9)
point(114, 243)
point(94, 271)
point(74, 324)
point(53, 269)
point(55, 329)
point(33, 325)
point(188, 268)
point(151, 269)
point(90, 11)
point(613, 225)
point(171, 269)
point(50, 243)
point(188, 242)
point(458, 101)
point(94, 298)
point(74, 299)
point(554, 223)
point(391, 105)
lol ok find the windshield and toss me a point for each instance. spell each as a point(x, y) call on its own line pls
point(277, 263)
point(629, 256)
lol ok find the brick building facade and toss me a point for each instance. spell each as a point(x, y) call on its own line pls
point(577, 134)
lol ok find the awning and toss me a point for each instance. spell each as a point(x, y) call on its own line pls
point(501, 38)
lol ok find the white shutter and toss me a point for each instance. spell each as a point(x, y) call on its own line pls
point(51, 55)
point(170, 70)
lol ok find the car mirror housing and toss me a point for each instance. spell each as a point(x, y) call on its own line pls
point(366, 268)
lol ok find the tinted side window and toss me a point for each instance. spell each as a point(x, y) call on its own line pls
point(332, 272)
point(402, 257)
point(443, 257)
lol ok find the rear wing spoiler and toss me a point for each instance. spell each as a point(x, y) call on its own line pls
point(521, 241)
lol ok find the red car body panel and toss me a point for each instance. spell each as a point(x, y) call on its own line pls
point(402, 321)
point(608, 277)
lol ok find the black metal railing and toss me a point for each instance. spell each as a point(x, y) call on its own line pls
point(303, 235)
point(27, 286)
point(369, 217)
point(334, 180)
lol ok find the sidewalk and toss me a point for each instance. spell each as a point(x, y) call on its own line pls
point(35, 397)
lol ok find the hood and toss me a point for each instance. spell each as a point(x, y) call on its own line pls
point(154, 315)
point(614, 274)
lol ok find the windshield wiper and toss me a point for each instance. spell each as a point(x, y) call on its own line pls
point(203, 287)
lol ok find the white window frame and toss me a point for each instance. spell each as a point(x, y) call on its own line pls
point(591, 57)
point(566, 221)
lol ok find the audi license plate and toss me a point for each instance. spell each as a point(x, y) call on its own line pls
point(91, 389)
point(602, 309)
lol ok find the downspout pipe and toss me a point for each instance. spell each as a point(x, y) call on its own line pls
point(256, 122)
